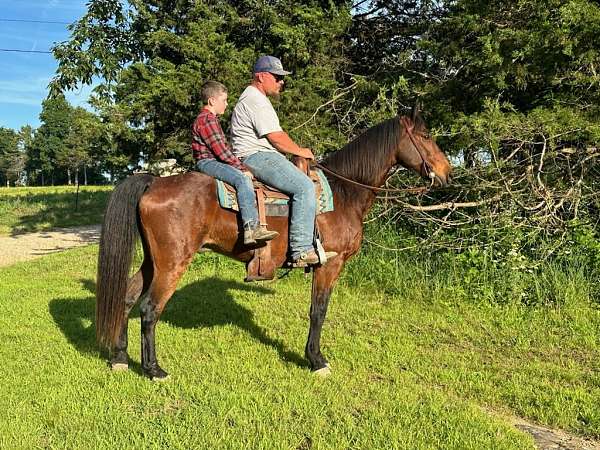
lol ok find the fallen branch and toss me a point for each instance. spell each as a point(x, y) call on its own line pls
point(450, 205)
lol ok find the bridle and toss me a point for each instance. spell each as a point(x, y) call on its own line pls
point(426, 170)
point(425, 166)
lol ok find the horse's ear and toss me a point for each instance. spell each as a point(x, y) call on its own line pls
point(416, 114)
point(415, 111)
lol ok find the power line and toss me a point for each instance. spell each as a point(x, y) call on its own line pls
point(35, 21)
point(22, 51)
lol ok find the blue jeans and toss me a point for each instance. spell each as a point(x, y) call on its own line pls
point(275, 170)
point(243, 187)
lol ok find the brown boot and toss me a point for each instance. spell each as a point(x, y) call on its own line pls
point(310, 258)
point(258, 234)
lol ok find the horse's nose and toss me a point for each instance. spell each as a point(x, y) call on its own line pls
point(443, 180)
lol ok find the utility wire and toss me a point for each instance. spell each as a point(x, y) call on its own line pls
point(14, 50)
point(35, 21)
point(22, 51)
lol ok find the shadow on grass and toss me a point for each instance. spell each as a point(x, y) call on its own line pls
point(54, 210)
point(205, 303)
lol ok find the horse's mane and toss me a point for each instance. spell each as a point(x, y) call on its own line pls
point(366, 157)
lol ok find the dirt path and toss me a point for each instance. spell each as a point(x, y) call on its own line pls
point(548, 438)
point(22, 247)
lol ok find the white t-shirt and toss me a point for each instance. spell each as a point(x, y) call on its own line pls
point(252, 119)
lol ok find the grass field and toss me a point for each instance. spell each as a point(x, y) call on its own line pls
point(414, 367)
point(43, 208)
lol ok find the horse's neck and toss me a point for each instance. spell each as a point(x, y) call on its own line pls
point(360, 199)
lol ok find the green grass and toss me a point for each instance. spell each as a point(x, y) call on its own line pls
point(414, 368)
point(43, 208)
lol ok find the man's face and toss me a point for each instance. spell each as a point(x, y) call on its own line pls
point(272, 83)
point(219, 103)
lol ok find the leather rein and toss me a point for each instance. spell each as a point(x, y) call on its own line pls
point(425, 167)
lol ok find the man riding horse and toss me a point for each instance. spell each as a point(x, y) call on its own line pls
point(176, 216)
point(260, 143)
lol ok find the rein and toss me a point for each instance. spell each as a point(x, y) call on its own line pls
point(367, 186)
point(425, 168)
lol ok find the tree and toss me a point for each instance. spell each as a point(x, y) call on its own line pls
point(513, 91)
point(12, 157)
point(80, 144)
point(154, 55)
point(50, 139)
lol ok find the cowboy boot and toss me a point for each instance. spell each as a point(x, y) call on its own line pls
point(252, 235)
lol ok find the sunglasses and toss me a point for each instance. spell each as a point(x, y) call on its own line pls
point(278, 78)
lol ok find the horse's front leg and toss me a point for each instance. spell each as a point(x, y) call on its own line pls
point(324, 279)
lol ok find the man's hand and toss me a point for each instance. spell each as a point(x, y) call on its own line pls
point(248, 174)
point(282, 142)
point(307, 153)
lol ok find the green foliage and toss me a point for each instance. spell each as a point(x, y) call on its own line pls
point(153, 57)
point(12, 158)
point(504, 272)
point(69, 140)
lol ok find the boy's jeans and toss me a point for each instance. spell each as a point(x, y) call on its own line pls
point(275, 170)
point(243, 187)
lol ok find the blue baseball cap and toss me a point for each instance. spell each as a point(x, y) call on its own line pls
point(269, 64)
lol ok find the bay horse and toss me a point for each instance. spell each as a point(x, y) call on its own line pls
point(177, 216)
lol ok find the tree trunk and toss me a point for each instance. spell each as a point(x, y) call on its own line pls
point(85, 175)
point(69, 176)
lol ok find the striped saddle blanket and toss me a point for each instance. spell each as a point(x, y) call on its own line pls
point(272, 202)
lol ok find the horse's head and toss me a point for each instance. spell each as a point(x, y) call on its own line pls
point(419, 152)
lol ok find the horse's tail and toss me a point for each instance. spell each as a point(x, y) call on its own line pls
point(117, 246)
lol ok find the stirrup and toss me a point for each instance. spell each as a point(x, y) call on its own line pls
point(319, 259)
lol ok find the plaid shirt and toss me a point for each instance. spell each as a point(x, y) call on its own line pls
point(209, 141)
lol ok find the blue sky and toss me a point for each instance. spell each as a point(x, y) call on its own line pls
point(24, 77)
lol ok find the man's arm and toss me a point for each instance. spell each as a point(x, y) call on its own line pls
point(282, 142)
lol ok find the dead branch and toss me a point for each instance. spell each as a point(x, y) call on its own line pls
point(450, 205)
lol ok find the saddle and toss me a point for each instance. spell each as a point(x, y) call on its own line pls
point(272, 202)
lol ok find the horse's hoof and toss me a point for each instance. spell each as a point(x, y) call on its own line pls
point(161, 379)
point(157, 374)
point(323, 371)
point(119, 367)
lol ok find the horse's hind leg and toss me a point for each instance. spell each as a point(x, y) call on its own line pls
point(151, 307)
point(138, 284)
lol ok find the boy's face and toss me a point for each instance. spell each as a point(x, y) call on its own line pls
point(219, 103)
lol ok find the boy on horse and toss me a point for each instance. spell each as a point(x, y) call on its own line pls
point(259, 141)
point(214, 157)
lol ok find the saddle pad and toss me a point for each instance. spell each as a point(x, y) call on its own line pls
point(276, 204)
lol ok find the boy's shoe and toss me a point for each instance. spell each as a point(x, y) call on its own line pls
point(258, 234)
point(310, 258)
